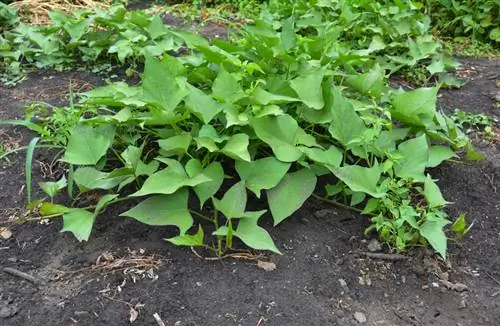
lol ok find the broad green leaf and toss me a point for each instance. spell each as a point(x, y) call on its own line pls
point(290, 194)
point(88, 178)
point(48, 209)
point(175, 145)
point(253, 235)
point(164, 210)
point(288, 39)
point(214, 171)
point(280, 133)
point(360, 179)
point(237, 147)
point(416, 107)
point(346, 124)
point(53, 188)
point(226, 88)
point(234, 201)
point(156, 28)
point(308, 88)
point(189, 240)
point(371, 83)
point(432, 231)
point(263, 97)
point(79, 222)
point(201, 104)
point(415, 157)
point(87, 144)
point(330, 157)
point(439, 154)
point(262, 174)
point(161, 88)
point(432, 194)
point(168, 181)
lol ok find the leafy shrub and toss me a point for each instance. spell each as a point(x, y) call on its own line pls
point(478, 19)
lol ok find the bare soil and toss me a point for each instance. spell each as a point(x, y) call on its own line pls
point(323, 278)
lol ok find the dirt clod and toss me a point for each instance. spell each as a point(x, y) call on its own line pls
point(360, 317)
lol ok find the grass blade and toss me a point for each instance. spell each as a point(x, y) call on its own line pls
point(28, 165)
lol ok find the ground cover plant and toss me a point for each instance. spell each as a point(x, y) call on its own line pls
point(301, 93)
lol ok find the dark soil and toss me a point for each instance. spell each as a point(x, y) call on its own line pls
point(321, 279)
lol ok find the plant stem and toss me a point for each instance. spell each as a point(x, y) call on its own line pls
point(219, 238)
point(203, 217)
point(48, 217)
point(337, 204)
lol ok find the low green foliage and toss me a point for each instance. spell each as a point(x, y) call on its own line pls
point(89, 37)
point(475, 122)
point(479, 20)
point(275, 109)
point(299, 94)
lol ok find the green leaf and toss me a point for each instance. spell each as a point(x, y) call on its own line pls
point(79, 222)
point(88, 178)
point(331, 157)
point(346, 125)
point(175, 145)
point(87, 144)
point(103, 202)
point(253, 235)
point(432, 231)
point(288, 39)
point(459, 226)
point(234, 201)
point(432, 194)
point(308, 88)
point(161, 88)
point(168, 181)
point(53, 188)
point(263, 97)
point(261, 174)
point(471, 154)
point(164, 210)
point(415, 157)
point(360, 179)
point(48, 209)
point(202, 105)
point(371, 83)
point(189, 240)
point(280, 133)
point(416, 107)
point(290, 194)
point(156, 28)
point(226, 88)
point(214, 171)
point(439, 154)
point(237, 147)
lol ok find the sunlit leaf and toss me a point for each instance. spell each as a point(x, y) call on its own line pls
point(87, 144)
point(164, 210)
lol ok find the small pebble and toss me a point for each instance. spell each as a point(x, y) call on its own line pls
point(374, 246)
point(8, 311)
point(360, 317)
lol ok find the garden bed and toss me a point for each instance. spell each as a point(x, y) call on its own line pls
point(322, 278)
point(330, 273)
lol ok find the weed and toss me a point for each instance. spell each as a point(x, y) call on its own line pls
point(475, 122)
